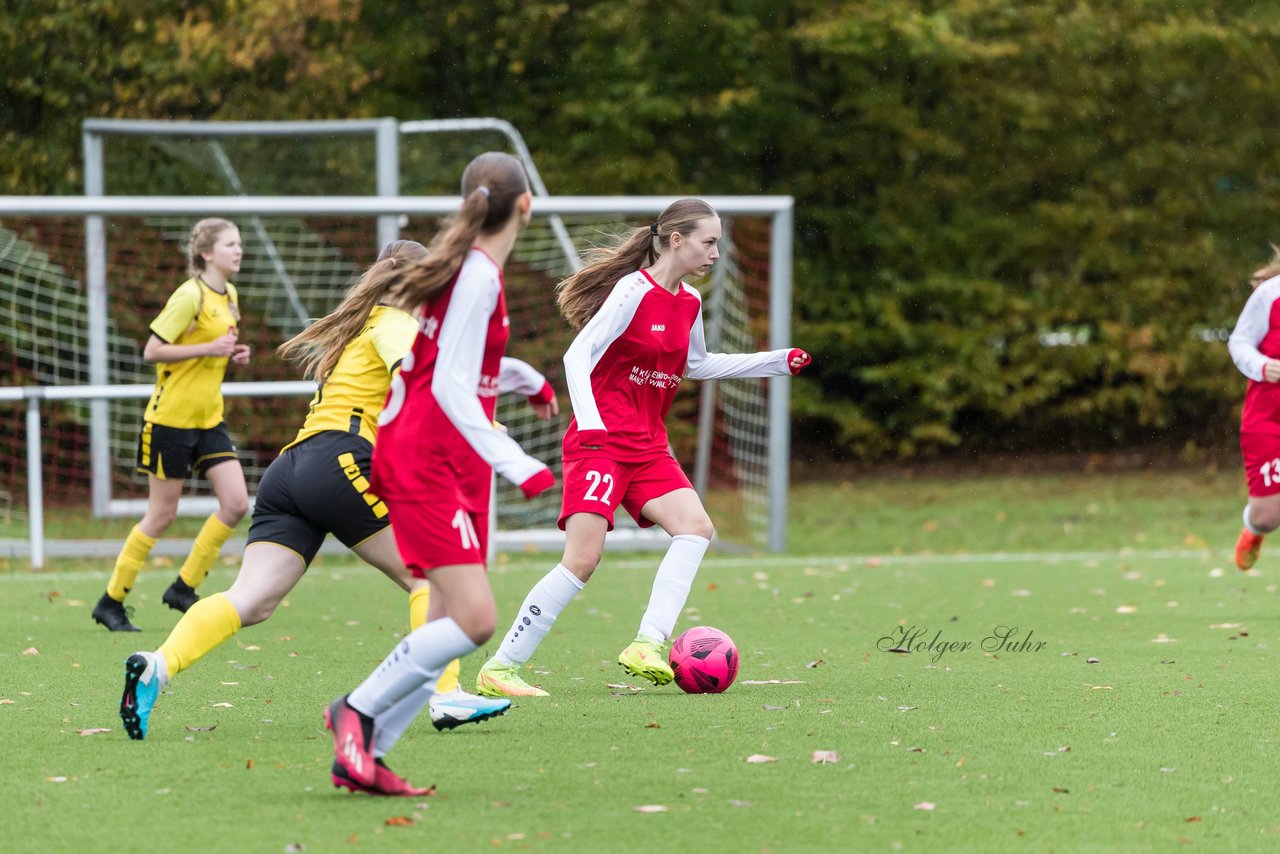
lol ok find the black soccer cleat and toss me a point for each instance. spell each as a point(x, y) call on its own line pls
point(110, 613)
point(180, 596)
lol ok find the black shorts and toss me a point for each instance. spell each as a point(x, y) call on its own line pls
point(318, 487)
point(172, 453)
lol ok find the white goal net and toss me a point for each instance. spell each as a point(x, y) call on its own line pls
point(82, 278)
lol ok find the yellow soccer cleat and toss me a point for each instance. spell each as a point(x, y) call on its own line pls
point(648, 660)
point(497, 680)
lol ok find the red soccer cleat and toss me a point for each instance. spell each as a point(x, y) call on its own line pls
point(388, 783)
point(352, 737)
point(1247, 548)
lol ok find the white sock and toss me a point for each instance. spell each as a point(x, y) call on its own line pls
point(416, 662)
point(391, 724)
point(533, 621)
point(1248, 526)
point(672, 584)
point(161, 665)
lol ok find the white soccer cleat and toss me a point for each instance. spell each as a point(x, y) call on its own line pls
point(458, 707)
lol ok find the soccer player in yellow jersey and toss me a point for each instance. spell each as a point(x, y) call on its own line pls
point(319, 485)
point(191, 343)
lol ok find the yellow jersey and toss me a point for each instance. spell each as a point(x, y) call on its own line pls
point(188, 394)
point(352, 395)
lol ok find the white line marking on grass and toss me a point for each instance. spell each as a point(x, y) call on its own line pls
point(861, 561)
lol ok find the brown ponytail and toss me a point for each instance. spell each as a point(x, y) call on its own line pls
point(581, 295)
point(320, 345)
point(491, 185)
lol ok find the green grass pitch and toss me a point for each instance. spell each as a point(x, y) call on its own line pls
point(1130, 705)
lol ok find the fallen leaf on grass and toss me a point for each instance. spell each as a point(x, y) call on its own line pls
point(771, 682)
point(6, 702)
point(1093, 661)
point(1225, 625)
point(294, 848)
point(769, 708)
point(825, 757)
point(924, 805)
point(653, 725)
point(651, 808)
point(1061, 791)
point(93, 730)
point(1126, 609)
point(31, 650)
point(202, 728)
point(248, 765)
point(736, 803)
point(817, 663)
point(222, 706)
point(51, 595)
point(1192, 818)
point(230, 683)
point(253, 647)
point(399, 821)
point(760, 759)
point(623, 687)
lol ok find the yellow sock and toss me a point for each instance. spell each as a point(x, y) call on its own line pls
point(418, 602)
point(129, 563)
point(206, 624)
point(204, 551)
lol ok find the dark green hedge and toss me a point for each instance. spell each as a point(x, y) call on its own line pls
point(1019, 224)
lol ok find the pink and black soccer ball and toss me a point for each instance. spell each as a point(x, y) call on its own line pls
point(705, 660)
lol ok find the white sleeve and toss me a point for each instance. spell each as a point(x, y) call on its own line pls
point(715, 366)
point(584, 353)
point(457, 377)
point(519, 377)
point(1251, 328)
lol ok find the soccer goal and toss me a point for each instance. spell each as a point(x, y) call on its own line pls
point(83, 276)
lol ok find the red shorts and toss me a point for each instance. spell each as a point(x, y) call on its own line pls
point(600, 486)
point(431, 534)
point(1261, 453)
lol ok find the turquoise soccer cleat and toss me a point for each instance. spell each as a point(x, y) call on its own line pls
point(141, 688)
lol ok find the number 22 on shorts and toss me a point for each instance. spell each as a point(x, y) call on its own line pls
point(596, 483)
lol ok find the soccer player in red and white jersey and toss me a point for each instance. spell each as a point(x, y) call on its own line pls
point(1255, 348)
point(436, 449)
point(641, 333)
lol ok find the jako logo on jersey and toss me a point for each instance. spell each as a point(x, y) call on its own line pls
point(658, 327)
point(488, 386)
point(430, 326)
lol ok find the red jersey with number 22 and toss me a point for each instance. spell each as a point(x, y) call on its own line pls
point(625, 366)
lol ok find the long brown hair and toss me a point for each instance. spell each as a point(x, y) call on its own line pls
point(491, 184)
point(1268, 270)
point(320, 345)
point(581, 295)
